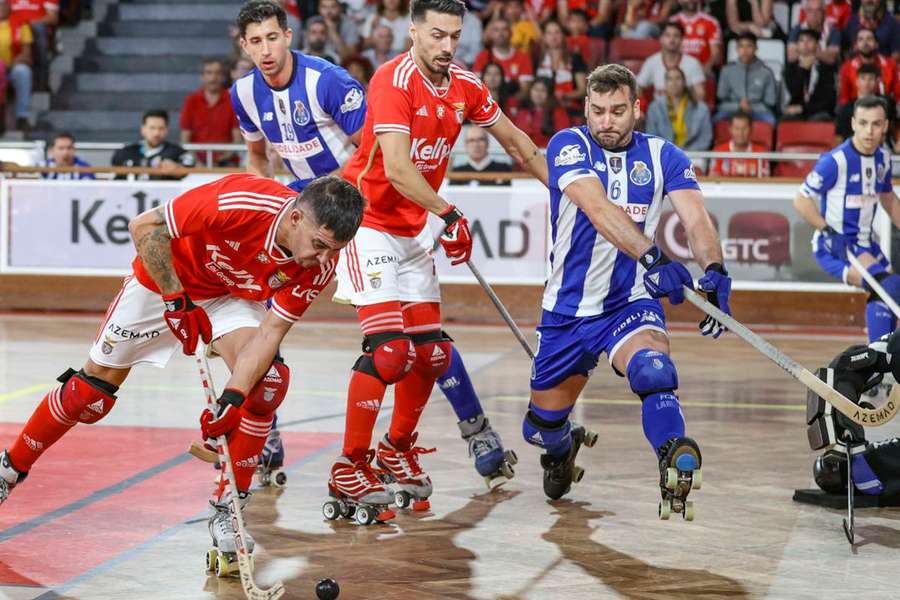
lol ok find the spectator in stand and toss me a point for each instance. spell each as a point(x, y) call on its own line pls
point(566, 70)
point(541, 116)
point(469, 40)
point(578, 40)
point(207, 116)
point(494, 80)
point(342, 33)
point(61, 153)
point(867, 53)
point(516, 65)
point(382, 49)
point(752, 16)
point(294, 15)
point(588, 16)
point(153, 150)
point(15, 53)
point(702, 35)
point(316, 39)
point(239, 68)
point(478, 160)
point(525, 32)
point(872, 14)
point(678, 117)
point(747, 85)
point(868, 83)
point(394, 14)
point(828, 42)
point(360, 68)
point(643, 18)
point(653, 71)
point(739, 129)
point(809, 82)
point(837, 13)
point(43, 17)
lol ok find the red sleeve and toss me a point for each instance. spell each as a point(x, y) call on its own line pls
point(715, 35)
point(482, 110)
point(291, 302)
point(480, 61)
point(845, 83)
point(393, 111)
point(193, 211)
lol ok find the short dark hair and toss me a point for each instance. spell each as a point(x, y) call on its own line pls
point(673, 25)
point(213, 59)
point(808, 32)
point(257, 11)
point(155, 112)
point(869, 69)
point(871, 102)
point(870, 30)
point(747, 35)
point(738, 115)
point(579, 13)
point(60, 135)
point(335, 205)
point(610, 77)
point(447, 7)
point(313, 20)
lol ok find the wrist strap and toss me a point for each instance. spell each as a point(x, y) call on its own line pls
point(451, 215)
point(652, 257)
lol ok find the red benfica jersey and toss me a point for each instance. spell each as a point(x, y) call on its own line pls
point(402, 100)
point(738, 167)
point(887, 86)
point(701, 33)
point(223, 243)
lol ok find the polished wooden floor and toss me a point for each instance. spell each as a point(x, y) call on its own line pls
point(116, 510)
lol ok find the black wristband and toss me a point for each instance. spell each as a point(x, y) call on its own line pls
point(653, 257)
point(176, 302)
point(230, 396)
point(451, 216)
point(717, 267)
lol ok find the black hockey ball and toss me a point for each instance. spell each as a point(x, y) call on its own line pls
point(327, 589)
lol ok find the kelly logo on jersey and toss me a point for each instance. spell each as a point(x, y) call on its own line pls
point(569, 155)
point(428, 156)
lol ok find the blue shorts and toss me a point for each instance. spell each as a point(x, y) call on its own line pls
point(572, 345)
point(837, 267)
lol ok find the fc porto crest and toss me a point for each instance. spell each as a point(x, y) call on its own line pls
point(301, 115)
point(615, 163)
point(640, 174)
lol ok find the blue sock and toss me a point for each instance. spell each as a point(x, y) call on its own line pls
point(457, 387)
point(879, 320)
point(558, 442)
point(662, 418)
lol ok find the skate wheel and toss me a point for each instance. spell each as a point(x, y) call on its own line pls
point(577, 474)
point(222, 566)
point(279, 479)
point(671, 478)
point(364, 515)
point(511, 457)
point(507, 470)
point(590, 438)
point(696, 480)
point(421, 505)
point(211, 559)
point(688, 512)
point(332, 510)
point(402, 499)
point(665, 509)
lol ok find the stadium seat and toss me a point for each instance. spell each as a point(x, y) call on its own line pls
point(760, 133)
point(596, 54)
point(631, 53)
point(710, 87)
point(805, 132)
point(761, 237)
point(781, 12)
point(795, 13)
point(798, 168)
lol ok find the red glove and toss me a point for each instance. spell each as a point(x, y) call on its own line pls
point(456, 239)
point(187, 321)
point(226, 419)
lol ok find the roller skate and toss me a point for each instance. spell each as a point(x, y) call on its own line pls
point(491, 461)
point(679, 473)
point(357, 493)
point(271, 460)
point(9, 477)
point(221, 559)
point(402, 468)
point(560, 473)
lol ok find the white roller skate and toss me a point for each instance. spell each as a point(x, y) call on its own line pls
point(491, 461)
point(221, 559)
point(357, 493)
point(9, 477)
point(402, 468)
point(270, 462)
point(679, 473)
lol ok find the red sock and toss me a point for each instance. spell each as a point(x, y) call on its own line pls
point(410, 397)
point(245, 444)
point(47, 424)
point(364, 397)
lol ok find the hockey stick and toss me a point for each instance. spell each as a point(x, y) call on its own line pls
point(873, 283)
point(863, 416)
point(252, 591)
point(498, 304)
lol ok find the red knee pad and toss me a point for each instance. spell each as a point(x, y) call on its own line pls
point(83, 398)
point(388, 356)
point(269, 392)
point(433, 356)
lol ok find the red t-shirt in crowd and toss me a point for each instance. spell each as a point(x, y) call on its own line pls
point(516, 66)
point(531, 121)
point(31, 10)
point(837, 12)
point(701, 33)
point(208, 124)
point(738, 167)
point(889, 85)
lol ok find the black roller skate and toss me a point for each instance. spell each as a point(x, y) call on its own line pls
point(270, 462)
point(560, 473)
point(679, 473)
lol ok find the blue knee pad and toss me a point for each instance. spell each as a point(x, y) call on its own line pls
point(457, 387)
point(548, 429)
point(653, 377)
point(650, 371)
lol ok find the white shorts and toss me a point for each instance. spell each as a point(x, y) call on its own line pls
point(134, 330)
point(380, 267)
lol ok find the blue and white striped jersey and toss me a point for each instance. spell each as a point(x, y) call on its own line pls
point(847, 184)
point(309, 121)
point(588, 275)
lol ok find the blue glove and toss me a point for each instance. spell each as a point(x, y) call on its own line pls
point(836, 244)
point(664, 277)
point(717, 285)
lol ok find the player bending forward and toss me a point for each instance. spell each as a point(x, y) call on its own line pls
point(207, 261)
point(607, 185)
point(417, 105)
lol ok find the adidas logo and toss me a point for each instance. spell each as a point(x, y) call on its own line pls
point(422, 112)
point(372, 405)
point(232, 244)
point(97, 406)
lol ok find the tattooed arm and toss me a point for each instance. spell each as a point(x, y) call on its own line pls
point(153, 243)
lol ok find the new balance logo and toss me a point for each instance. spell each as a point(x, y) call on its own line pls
point(268, 116)
point(449, 383)
point(234, 245)
point(372, 405)
point(422, 112)
point(537, 438)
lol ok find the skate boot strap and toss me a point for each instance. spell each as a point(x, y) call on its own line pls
point(482, 445)
point(408, 461)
